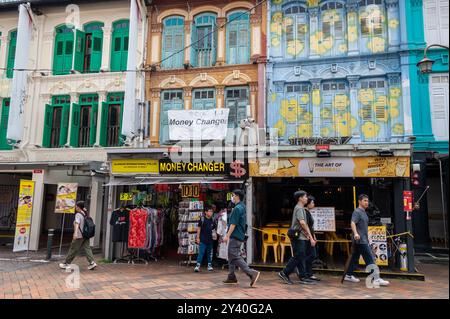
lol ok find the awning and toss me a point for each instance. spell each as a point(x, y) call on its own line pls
point(169, 181)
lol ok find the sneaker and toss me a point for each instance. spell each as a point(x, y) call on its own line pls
point(314, 278)
point(381, 282)
point(92, 266)
point(230, 281)
point(197, 268)
point(351, 278)
point(210, 268)
point(255, 278)
point(285, 278)
point(64, 266)
point(307, 281)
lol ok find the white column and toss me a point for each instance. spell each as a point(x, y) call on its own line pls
point(353, 82)
point(38, 208)
point(406, 94)
point(106, 51)
point(255, 25)
point(108, 238)
point(249, 204)
point(156, 43)
point(73, 99)
point(102, 95)
point(3, 49)
point(95, 208)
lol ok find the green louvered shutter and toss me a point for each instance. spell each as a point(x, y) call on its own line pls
point(96, 52)
point(80, 39)
point(75, 130)
point(48, 122)
point(64, 124)
point(93, 129)
point(11, 54)
point(124, 56)
point(104, 124)
point(4, 126)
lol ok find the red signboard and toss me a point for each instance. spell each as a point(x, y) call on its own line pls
point(37, 171)
point(408, 201)
point(322, 147)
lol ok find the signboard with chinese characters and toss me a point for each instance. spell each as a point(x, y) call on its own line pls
point(324, 219)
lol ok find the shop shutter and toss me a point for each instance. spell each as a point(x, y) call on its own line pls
point(48, 122)
point(64, 124)
point(11, 54)
point(80, 39)
point(4, 125)
point(104, 124)
point(439, 111)
point(75, 129)
point(93, 129)
point(96, 53)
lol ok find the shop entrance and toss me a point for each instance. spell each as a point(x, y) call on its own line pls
point(337, 196)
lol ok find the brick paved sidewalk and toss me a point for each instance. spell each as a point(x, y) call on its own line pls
point(166, 280)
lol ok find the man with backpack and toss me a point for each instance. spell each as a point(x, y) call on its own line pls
point(84, 229)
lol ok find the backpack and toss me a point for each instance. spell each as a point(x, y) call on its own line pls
point(88, 230)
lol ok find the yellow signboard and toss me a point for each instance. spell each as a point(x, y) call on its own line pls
point(66, 197)
point(378, 245)
point(332, 167)
point(192, 191)
point(24, 211)
point(126, 196)
point(135, 166)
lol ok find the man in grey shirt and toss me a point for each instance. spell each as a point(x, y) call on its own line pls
point(300, 245)
point(360, 238)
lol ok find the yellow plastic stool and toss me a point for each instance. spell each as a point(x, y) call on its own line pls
point(284, 242)
point(270, 239)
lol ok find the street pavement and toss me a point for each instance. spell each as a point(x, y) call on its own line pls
point(167, 280)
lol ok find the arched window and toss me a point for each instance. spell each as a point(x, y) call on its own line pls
point(332, 20)
point(204, 40)
point(372, 16)
point(238, 38)
point(63, 52)
point(11, 53)
point(296, 43)
point(173, 43)
point(119, 52)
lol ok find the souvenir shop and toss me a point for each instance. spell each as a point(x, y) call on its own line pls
point(335, 184)
point(155, 211)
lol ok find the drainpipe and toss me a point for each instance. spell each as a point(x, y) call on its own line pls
point(143, 10)
point(443, 204)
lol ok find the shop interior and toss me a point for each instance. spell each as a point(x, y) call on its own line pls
point(171, 213)
point(274, 205)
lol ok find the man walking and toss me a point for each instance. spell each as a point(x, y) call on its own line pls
point(301, 244)
point(78, 241)
point(235, 238)
point(360, 238)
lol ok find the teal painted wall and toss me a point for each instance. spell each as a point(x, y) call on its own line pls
point(420, 90)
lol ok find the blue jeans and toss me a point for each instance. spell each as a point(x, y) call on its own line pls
point(205, 248)
point(366, 252)
point(300, 248)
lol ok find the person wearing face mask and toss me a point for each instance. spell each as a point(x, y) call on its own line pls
point(299, 243)
point(235, 238)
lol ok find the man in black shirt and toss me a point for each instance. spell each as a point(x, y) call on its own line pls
point(205, 240)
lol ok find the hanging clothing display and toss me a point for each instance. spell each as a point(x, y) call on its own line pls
point(155, 229)
point(138, 228)
point(222, 252)
point(120, 223)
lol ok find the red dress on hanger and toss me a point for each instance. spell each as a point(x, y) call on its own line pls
point(138, 228)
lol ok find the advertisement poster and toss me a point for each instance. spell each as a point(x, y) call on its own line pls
point(24, 211)
point(378, 244)
point(324, 219)
point(66, 197)
point(332, 167)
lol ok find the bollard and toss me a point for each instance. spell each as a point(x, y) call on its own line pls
point(49, 244)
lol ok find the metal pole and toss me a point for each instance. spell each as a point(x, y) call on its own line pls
point(62, 234)
point(409, 239)
point(49, 244)
point(443, 205)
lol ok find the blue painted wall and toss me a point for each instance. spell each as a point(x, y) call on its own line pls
point(335, 70)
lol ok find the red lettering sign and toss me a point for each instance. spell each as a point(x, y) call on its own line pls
point(408, 199)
